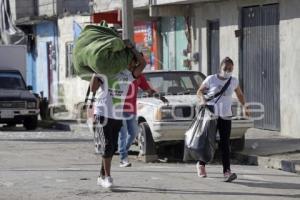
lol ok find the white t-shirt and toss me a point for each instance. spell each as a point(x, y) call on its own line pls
point(110, 97)
point(214, 85)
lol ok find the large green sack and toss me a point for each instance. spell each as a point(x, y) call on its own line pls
point(99, 49)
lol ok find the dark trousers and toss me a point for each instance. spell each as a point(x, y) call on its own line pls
point(108, 131)
point(224, 128)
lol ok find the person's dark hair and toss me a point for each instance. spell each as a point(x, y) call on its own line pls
point(226, 60)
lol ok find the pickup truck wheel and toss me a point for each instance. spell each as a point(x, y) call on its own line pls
point(238, 144)
point(30, 123)
point(145, 140)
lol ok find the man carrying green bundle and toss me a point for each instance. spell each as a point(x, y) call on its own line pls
point(111, 91)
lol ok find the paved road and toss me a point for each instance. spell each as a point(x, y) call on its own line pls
point(61, 165)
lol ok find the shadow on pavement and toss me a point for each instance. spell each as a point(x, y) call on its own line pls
point(22, 129)
point(269, 185)
point(193, 192)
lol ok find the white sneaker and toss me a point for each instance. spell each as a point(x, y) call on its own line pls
point(125, 163)
point(100, 180)
point(106, 182)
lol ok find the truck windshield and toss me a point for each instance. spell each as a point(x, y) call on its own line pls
point(11, 81)
point(173, 83)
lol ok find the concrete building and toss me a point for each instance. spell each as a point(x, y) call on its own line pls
point(261, 36)
point(39, 20)
point(172, 38)
point(72, 88)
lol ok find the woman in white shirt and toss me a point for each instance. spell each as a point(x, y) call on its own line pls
point(222, 109)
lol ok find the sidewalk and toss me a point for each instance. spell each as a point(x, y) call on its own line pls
point(64, 121)
point(269, 149)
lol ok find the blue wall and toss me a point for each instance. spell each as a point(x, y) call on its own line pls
point(31, 70)
point(174, 41)
point(46, 32)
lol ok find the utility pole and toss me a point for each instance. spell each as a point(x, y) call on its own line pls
point(91, 8)
point(127, 19)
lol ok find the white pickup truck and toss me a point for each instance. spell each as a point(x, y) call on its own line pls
point(164, 121)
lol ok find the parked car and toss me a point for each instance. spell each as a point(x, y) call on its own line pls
point(164, 118)
point(17, 104)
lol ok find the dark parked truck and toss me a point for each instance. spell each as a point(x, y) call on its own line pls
point(18, 105)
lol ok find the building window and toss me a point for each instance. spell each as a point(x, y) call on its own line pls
point(70, 72)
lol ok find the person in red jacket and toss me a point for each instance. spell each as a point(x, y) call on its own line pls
point(129, 130)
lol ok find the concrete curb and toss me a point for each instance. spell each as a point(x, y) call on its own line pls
point(269, 162)
point(66, 125)
point(50, 124)
point(148, 158)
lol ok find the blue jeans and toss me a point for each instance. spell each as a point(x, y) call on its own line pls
point(127, 134)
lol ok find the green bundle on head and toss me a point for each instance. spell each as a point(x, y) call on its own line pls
point(99, 49)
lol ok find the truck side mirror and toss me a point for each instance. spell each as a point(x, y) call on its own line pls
point(29, 87)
